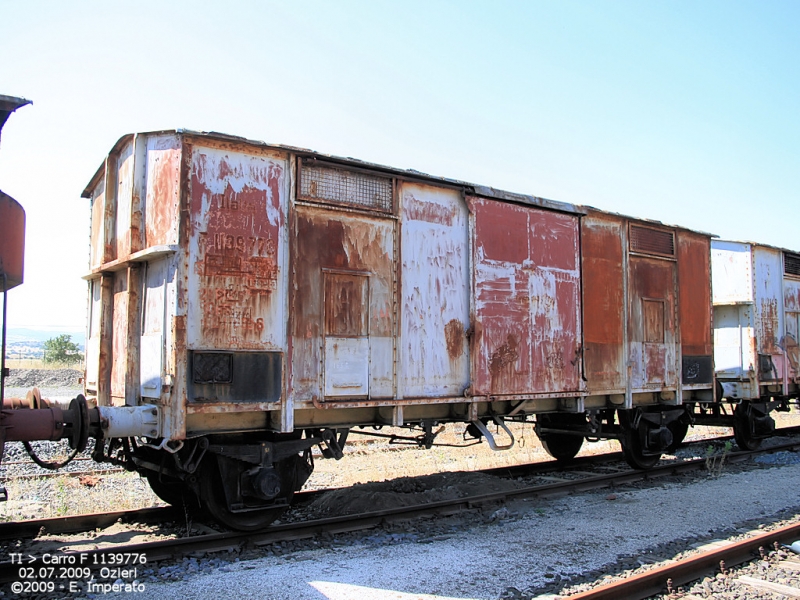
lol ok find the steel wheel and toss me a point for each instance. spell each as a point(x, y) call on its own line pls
point(678, 429)
point(743, 428)
point(632, 446)
point(561, 446)
point(254, 514)
point(172, 491)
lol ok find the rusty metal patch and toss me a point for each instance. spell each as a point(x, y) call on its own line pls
point(454, 335)
point(237, 226)
point(527, 325)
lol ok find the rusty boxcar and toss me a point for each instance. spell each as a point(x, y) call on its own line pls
point(251, 301)
point(756, 325)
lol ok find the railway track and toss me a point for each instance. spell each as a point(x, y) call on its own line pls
point(166, 549)
point(719, 558)
point(573, 473)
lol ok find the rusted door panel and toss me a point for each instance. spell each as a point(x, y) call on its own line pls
point(346, 330)
point(237, 249)
point(768, 271)
point(527, 306)
point(695, 308)
point(161, 195)
point(790, 344)
point(769, 322)
point(791, 339)
point(652, 331)
point(603, 303)
point(435, 287)
point(791, 295)
point(694, 275)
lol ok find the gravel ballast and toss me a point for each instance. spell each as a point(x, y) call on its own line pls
point(531, 547)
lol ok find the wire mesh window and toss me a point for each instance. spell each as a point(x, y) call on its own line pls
point(652, 241)
point(328, 183)
point(791, 264)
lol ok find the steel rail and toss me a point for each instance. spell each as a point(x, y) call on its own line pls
point(52, 474)
point(654, 581)
point(161, 514)
point(173, 548)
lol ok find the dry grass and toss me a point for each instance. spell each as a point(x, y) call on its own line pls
point(65, 495)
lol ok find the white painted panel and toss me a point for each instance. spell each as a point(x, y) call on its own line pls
point(152, 350)
point(727, 340)
point(93, 342)
point(381, 360)
point(433, 352)
point(734, 354)
point(346, 366)
point(731, 272)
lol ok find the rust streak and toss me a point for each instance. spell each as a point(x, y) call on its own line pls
point(454, 334)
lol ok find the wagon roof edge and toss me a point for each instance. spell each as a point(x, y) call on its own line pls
point(759, 244)
point(590, 209)
point(409, 174)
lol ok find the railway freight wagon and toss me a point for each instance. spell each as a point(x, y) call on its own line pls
point(756, 326)
point(250, 302)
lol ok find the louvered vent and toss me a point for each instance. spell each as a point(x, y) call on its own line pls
point(791, 264)
point(331, 184)
point(652, 241)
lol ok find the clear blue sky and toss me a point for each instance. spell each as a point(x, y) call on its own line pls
point(685, 112)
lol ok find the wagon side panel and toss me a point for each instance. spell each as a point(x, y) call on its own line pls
point(343, 321)
point(236, 284)
point(732, 288)
point(604, 303)
point(434, 356)
point(527, 300)
point(694, 299)
point(769, 313)
point(161, 193)
point(653, 335)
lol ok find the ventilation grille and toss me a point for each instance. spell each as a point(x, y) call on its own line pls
point(652, 241)
point(331, 184)
point(791, 264)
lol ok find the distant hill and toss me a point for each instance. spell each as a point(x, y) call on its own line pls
point(16, 335)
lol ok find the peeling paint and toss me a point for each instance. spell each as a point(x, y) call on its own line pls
point(236, 249)
point(527, 306)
